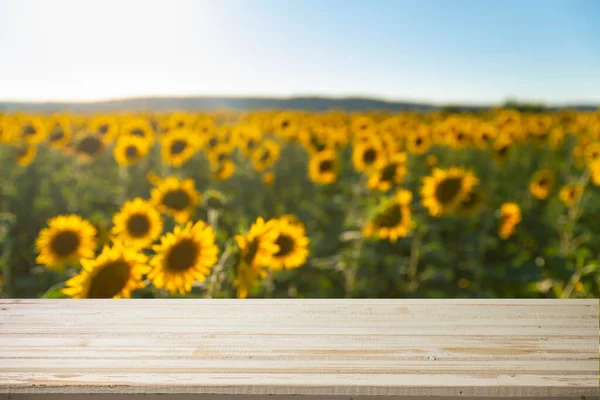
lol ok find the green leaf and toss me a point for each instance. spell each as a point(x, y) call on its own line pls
point(55, 292)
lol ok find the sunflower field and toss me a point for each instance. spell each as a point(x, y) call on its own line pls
point(497, 203)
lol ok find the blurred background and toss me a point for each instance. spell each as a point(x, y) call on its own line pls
point(393, 148)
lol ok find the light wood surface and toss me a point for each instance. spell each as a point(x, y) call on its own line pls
point(300, 349)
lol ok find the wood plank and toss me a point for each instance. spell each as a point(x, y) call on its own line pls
point(335, 349)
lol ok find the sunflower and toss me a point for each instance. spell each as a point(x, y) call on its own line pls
point(459, 136)
point(211, 142)
point(177, 198)
point(391, 144)
point(183, 257)
point(265, 155)
point(388, 174)
point(246, 276)
point(60, 132)
point(180, 120)
point(515, 132)
point(502, 147)
point(139, 127)
point(443, 190)
point(247, 138)
point(315, 139)
point(138, 224)
point(219, 153)
point(205, 127)
point(323, 167)
point(129, 150)
point(268, 178)
point(510, 216)
point(570, 194)
point(538, 127)
point(25, 155)
point(293, 245)
point(226, 136)
point(286, 125)
point(363, 127)
point(367, 155)
point(541, 184)
point(508, 117)
point(223, 170)
point(595, 172)
point(88, 145)
point(293, 220)
point(256, 250)
point(67, 239)
point(392, 219)
point(258, 247)
point(592, 152)
point(178, 146)
point(418, 142)
point(104, 126)
point(484, 135)
point(33, 130)
point(557, 137)
point(115, 273)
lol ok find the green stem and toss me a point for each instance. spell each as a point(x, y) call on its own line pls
point(573, 214)
point(413, 263)
point(216, 278)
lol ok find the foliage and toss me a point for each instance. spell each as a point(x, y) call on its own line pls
point(312, 175)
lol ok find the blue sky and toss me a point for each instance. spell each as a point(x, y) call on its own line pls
point(436, 51)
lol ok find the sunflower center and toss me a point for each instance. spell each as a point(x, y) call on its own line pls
point(419, 141)
point(320, 146)
point(29, 130)
point(369, 156)
point(447, 190)
point(286, 245)
point(326, 166)
point(180, 124)
point(285, 124)
point(138, 225)
point(176, 200)
point(390, 217)
point(22, 152)
point(103, 129)
point(502, 151)
point(65, 243)
point(178, 146)
point(131, 151)
point(89, 145)
point(110, 280)
point(545, 181)
point(138, 132)
point(212, 142)
point(251, 251)
point(265, 156)
point(182, 255)
point(57, 134)
point(251, 144)
point(222, 157)
point(389, 172)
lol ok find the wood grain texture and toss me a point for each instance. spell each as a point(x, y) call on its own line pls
point(300, 349)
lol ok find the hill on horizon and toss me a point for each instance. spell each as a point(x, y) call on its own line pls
point(241, 103)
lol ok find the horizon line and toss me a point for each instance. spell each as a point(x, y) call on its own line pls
point(302, 96)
